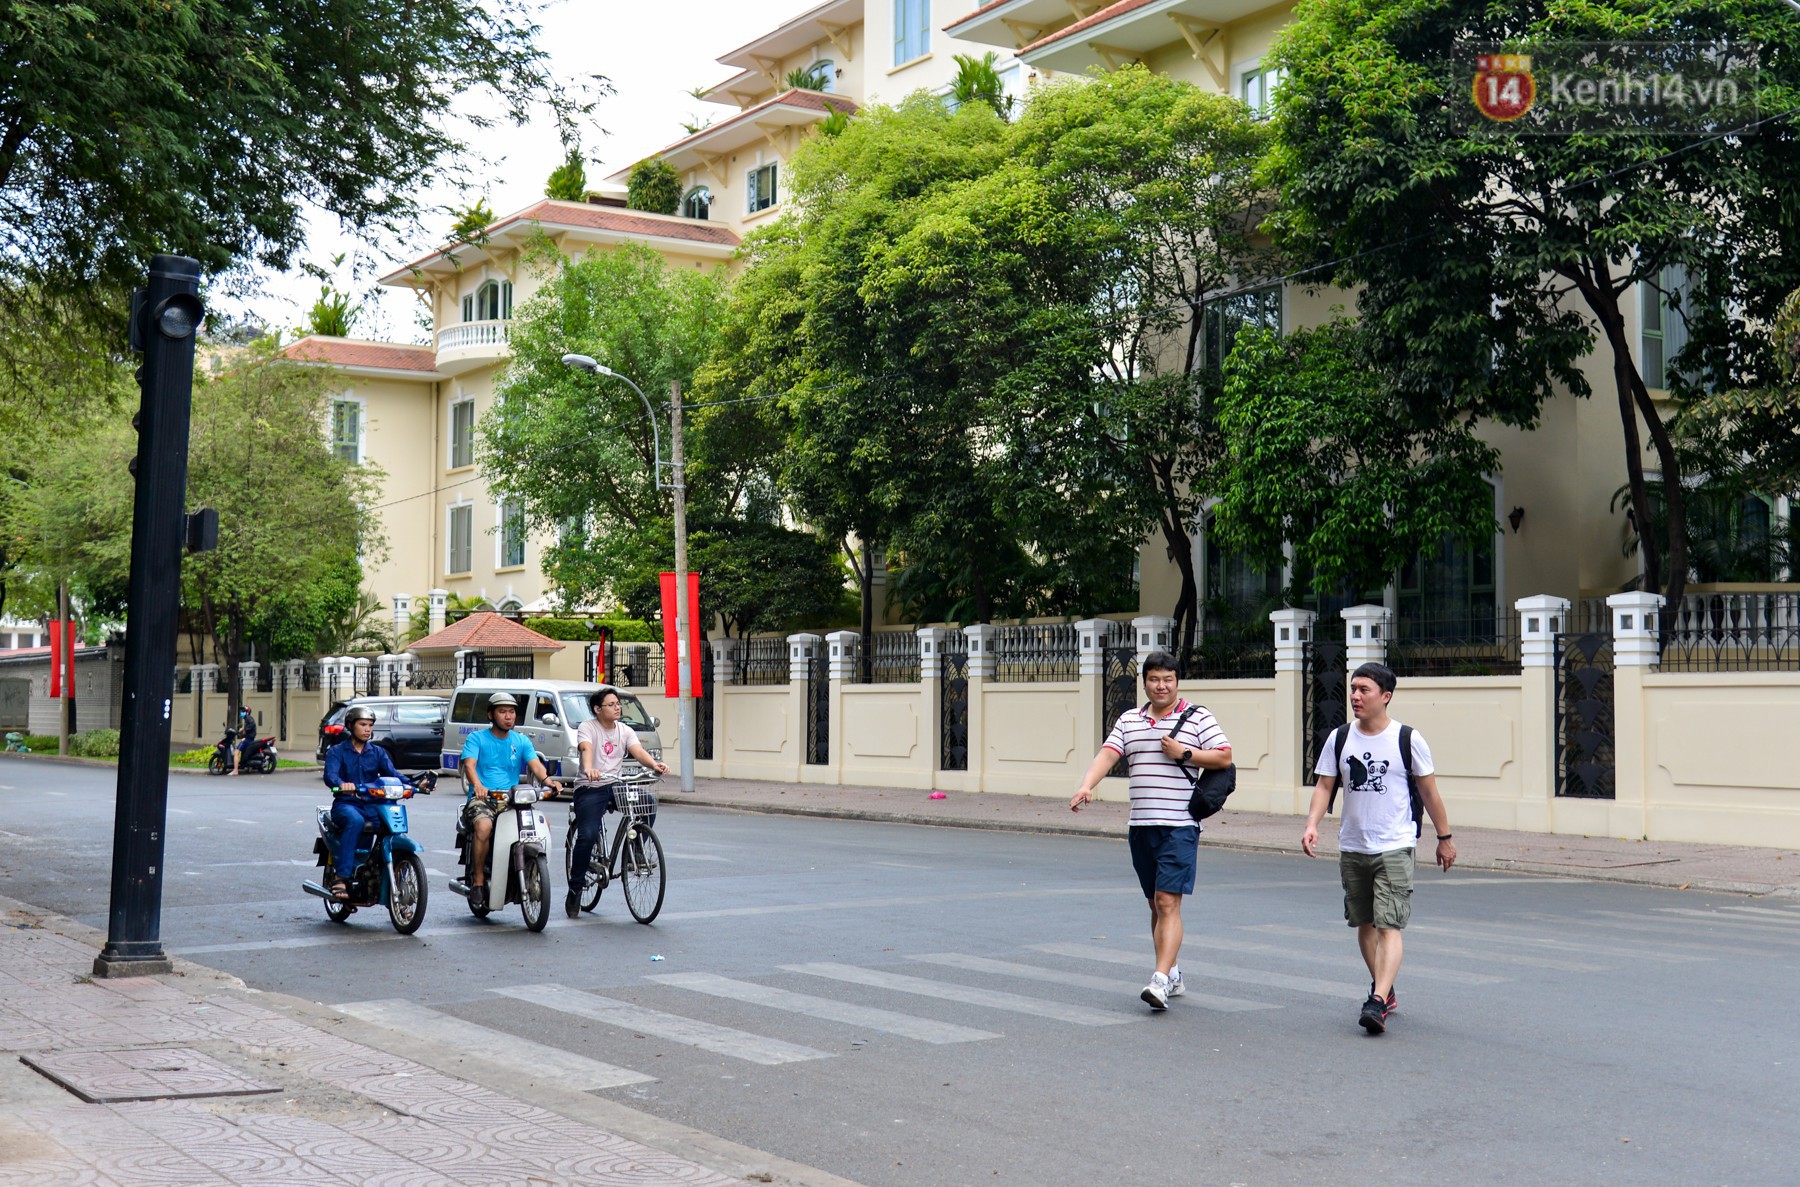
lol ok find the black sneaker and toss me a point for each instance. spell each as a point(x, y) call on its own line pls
point(572, 904)
point(1393, 1002)
point(1374, 1015)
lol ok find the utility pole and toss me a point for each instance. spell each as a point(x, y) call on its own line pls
point(164, 318)
point(65, 667)
point(683, 611)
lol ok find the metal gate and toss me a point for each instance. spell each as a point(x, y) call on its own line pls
point(706, 712)
point(281, 699)
point(1325, 698)
point(818, 712)
point(1584, 716)
point(1119, 690)
point(953, 703)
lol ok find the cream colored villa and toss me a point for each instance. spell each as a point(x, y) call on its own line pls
point(413, 408)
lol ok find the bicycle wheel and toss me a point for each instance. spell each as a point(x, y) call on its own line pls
point(645, 873)
point(596, 876)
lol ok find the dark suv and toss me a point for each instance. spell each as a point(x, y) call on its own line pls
point(410, 729)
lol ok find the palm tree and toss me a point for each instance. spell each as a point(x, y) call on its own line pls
point(816, 77)
point(977, 81)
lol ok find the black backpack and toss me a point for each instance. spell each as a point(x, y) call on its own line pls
point(1211, 788)
point(1341, 734)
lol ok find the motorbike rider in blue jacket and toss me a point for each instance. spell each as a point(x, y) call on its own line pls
point(351, 767)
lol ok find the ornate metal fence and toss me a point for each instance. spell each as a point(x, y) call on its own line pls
point(1033, 654)
point(1325, 698)
point(1584, 716)
point(818, 711)
point(1119, 684)
point(265, 678)
point(281, 704)
point(1228, 657)
point(309, 676)
point(1734, 632)
point(893, 659)
point(953, 703)
point(762, 661)
point(1459, 647)
point(706, 713)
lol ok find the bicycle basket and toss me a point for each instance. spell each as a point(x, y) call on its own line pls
point(637, 803)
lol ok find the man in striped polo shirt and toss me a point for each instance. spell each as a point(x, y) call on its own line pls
point(1157, 742)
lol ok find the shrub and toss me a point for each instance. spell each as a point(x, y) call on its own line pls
point(198, 757)
point(95, 743)
point(655, 186)
point(624, 630)
point(41, 743)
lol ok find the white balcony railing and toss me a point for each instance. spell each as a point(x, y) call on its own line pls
point(474, 334)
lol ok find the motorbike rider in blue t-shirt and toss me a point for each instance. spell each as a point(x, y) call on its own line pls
point(351, 767)
point(492, 761)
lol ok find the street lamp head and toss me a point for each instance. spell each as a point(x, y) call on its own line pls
point(582, 362)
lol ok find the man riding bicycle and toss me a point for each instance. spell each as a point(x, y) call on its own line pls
point(604, 741)
point(492, 761)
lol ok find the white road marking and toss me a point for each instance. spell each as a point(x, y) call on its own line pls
point(1759, 927)
point(235, 820)
point(273, 861)
point(907, 1026)
point(1191, 970)
point(1336, 959)
point(994, 999)
point(561, 1068)
point(923, 900)
point(1032, 972)
point(683, 856)
point(1488, 933)
point(721, 1040)
point(1335, 938)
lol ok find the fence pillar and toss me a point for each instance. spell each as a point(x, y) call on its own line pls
point(247, 678)
point(1635, 629)
point(725, 653)
point(438, 601)
point(206, 680)
point(1293, 629)
point(843, 658)
point(402, 617)
point(981, 672)
point(1152, 632)
point(801, 650)
point(1090, 651)
point(1366, 630)
point(931, 697)
point(1542, 617)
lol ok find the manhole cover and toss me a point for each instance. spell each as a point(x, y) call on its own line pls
point(152, 1073)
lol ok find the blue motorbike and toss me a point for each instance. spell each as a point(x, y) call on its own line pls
point(390, 870)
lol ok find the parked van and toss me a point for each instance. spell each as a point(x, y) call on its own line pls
point(550, 711)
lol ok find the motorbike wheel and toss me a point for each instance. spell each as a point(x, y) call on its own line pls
point(480, 909)
point(646, 874)
point(534, 893)
point(267, 765)
point(406, 897)
point(338, 910)
point(216, 765)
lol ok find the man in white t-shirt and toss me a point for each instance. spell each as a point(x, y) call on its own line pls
point(1157, 741)
point(604, 740)
point(1380, 828)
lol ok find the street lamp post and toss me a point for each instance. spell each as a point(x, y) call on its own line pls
point(684, 682)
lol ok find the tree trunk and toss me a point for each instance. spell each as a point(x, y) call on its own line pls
point(1674, 497)
point(1187, 604)
point(868, 612)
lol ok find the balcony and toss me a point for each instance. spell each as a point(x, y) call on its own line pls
point(472, 344)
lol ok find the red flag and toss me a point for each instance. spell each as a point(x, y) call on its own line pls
point(56, 659)
point(671, 668)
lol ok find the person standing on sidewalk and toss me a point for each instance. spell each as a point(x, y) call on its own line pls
point(1386, 772)
point(1157, 741)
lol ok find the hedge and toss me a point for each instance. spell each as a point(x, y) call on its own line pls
point(95, 744)
point(624, 630)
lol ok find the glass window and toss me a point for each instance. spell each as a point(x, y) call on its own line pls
point(493, 301)
point(468, 309)
point(512, 533)
point(1239, 595)
point(419, 714)
point(760, 186)
point(346, 431)
point(912, 30)
point(461, 537)
point(1447, 592)
point(462, 434)
point(824, 72)
point(1226, 316)
point(698, 203)
point(1663, 332)
point(1257, 89)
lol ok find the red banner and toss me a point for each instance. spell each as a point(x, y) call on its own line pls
point(62, 658)
point(671, 669)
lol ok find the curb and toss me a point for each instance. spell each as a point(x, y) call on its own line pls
point(1242, 845)
point(113, 763)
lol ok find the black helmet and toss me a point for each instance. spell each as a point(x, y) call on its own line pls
point(359, 713)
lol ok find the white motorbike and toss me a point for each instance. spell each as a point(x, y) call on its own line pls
point(522, 840)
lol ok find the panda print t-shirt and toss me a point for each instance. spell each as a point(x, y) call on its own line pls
point(1372, 788)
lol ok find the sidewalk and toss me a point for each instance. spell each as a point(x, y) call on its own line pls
point(1736, 868)
point(192, 1078)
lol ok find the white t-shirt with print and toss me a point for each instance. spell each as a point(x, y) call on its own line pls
point(1372, 788)
point(609, 746)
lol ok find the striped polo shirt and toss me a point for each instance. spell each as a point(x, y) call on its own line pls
point(1160, 790)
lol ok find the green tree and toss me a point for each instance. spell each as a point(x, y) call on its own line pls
point(333, 315)
point(977, 81)
point(1489, 261)
point(809, 78)
point(472, 222)
point(655, 186)
point(568, 181)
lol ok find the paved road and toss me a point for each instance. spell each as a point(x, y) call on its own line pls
point(910, 1005)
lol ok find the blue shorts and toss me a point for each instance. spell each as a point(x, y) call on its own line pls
point(1163, 856)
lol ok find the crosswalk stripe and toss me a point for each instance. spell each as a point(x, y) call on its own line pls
point(564, 1068)
point(997, 999)
point(1486, 955)
point(1492, 934)
point(1424, 972)
point(1668, 938)
point(1031, 972)
point(1739, 926)
point(1214, 972)
point(907, 1026)
point(1786, 914)
point(721, 1040)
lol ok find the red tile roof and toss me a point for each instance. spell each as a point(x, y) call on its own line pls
point(346, 352)
point(811, 100)
point(1098, 18)
point(486, 631)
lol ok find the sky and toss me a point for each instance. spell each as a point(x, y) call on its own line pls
point(652, 52)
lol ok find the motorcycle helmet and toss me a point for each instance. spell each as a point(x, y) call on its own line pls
point(499, 700)
point(358, 713)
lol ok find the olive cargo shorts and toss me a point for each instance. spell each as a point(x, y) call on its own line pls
point(1377, 888)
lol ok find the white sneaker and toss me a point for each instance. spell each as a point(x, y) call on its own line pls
point(1157, 992)
point(1177, 986)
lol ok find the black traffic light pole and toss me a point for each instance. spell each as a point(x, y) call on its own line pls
point(164, 318)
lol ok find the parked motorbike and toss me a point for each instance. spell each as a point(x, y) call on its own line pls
point(424, 783)
point(522, 840)
point(390, 868)
point(261, 759)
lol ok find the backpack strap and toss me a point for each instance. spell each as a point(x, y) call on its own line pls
point(1176, 729)
point(1414, 800)
point(1339, 736)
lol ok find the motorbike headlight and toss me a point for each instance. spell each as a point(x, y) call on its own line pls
point(525, 795)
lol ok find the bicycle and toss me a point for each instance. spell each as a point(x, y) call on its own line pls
point(631, 855)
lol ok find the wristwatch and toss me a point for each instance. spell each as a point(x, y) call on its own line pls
point(1187, 756)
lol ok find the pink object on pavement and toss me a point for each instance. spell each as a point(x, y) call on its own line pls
point(938, 795)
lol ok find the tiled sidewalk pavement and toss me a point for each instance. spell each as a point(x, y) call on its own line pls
point(1740, 868)
point(344, 1113)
